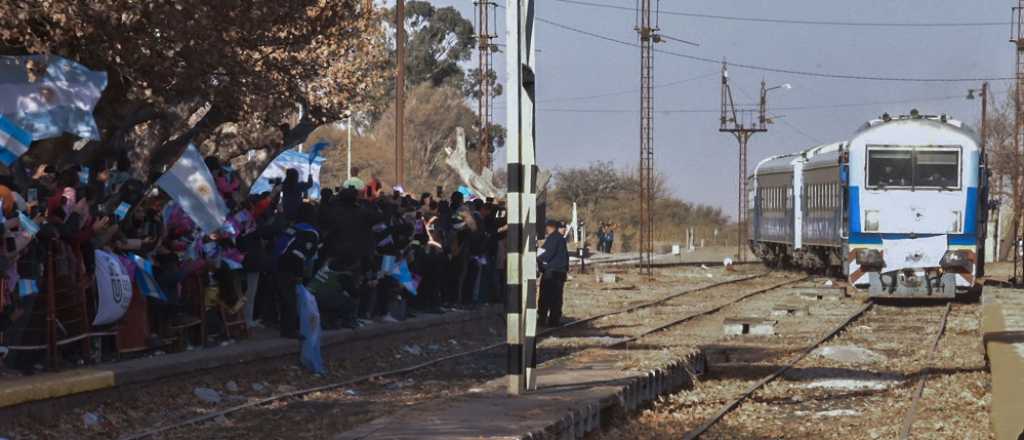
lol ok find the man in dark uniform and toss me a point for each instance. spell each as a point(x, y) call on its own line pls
point(553, 260)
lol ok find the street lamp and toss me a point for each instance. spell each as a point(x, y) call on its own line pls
point(786, 86)
point(348, 129)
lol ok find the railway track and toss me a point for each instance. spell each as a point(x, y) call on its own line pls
point(911, 415)
point(907, 419)
point(666, 300)
point(626, 262)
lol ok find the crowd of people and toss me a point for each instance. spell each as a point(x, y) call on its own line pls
point(365, 253)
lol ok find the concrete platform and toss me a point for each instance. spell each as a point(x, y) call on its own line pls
point(1002, 325)
point(17, 391)
point(571, 401)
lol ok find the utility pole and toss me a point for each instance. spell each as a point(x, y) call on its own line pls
point(647, 29)
point(1017, 38)
point(983, 195)
point(521, 289)
point(742, 123)
point(484, 53)
point(400, 93)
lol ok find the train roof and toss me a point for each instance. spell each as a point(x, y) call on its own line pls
point(783, 163)
point(941, 120)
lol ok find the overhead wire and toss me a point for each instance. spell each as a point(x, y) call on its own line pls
point(625, 92)
point(774, 69)
point(802, 22)
point(779, 108)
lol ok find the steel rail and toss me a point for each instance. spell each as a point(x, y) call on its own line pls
point(908, 419)
point(707, 312)
point(711, 421)
point(399, 371)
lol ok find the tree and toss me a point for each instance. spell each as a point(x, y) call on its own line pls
point(1006, 165)
point(439, 41)
point(605, 194)
point(432, 115)
point(230, 70)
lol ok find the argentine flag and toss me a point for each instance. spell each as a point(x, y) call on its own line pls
point(191, 185)
point(60, 100)
point(400, 272)
point(13, 141)
point(305, 164)
point(309, 326)
point(145, 279)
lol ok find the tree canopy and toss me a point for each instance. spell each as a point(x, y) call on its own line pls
point(180, 68)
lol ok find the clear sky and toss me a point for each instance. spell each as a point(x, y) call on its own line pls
point(701, 163)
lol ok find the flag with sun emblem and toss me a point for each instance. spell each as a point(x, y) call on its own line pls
point(191, 185)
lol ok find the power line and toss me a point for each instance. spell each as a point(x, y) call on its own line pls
point(796, 129)
point(773, 69)
point(801, 22)
point(626, 92)
point(791, 108)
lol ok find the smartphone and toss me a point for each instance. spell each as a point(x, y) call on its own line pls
point(33, 195)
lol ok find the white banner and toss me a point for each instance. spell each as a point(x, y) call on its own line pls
point(114, 287)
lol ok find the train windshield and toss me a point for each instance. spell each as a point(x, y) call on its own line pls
point(914, 168)
point(937, 169)
point(887, 168)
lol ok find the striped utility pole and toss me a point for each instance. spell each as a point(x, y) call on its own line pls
point(521, 292)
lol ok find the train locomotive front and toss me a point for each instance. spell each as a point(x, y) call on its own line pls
point(898, 208)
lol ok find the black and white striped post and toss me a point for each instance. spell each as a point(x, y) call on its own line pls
point(521, 291)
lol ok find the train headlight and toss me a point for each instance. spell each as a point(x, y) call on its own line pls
point(870, 258)
point(955, 225)
point(957, 258)
point(871, 220)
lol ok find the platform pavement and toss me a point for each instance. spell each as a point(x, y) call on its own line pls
point(571, 401)
point(17, 391)
point(1002, 325)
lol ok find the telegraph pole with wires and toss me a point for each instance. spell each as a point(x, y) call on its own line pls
point(647, 29)
point(400, 93)
point(742, 123)
point(485, 50)
point(1017, 38)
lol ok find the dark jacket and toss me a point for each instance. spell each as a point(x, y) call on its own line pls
point(291, 197)
point(556, 255)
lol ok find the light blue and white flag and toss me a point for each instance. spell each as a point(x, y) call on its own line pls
point(191, 185)
point(301, 162)
point(309, 327)
point(27, 287)
point(13, 141)
point(61, 100)
point(27, 224)
point(399, 270)
point(145, 279)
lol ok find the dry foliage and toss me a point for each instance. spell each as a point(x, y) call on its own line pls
point(179, 68)
point(605, 194)
point(432, 115)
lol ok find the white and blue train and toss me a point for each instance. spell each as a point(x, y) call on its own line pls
point(899, 209)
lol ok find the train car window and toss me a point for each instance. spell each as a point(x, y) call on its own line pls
point(888, 168)
point(937, 169)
